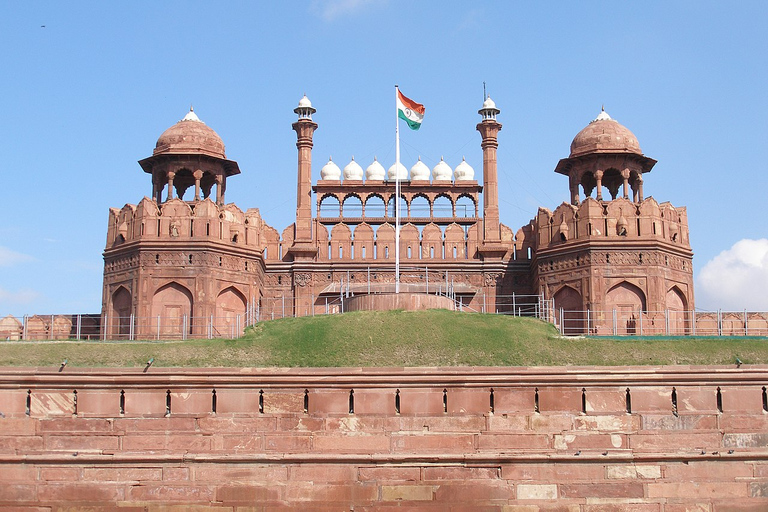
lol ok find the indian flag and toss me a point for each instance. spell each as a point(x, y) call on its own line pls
point(409, 111)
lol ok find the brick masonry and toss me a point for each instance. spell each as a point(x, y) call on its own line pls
point(391, 439)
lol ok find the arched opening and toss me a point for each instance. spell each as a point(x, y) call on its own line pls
point(612, 181)
point(676, 306)
point(391, 207)
point(374, 207)
point(465, 207)
point(172, 311)
point(588, 183)
point(121, 313)
point(573, 316)
point(182, 181)
point(206, 184)
point(330, 207)
point(420, 206)
point(628, 301)
point(442, 207)
point(352, 206)
point(230, 304)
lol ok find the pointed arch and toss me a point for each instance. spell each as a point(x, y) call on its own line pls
point(570, 301)
point(120, 315)
point(172, 303)
point(629, 303)
point(230, 304)
point(677, 308)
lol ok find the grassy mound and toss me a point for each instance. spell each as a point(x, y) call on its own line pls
point(393, 338)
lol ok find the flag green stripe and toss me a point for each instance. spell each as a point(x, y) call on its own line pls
point(413, 125)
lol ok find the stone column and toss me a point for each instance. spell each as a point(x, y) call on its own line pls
point(640, 189)
point(198, 174)
point(219, 191)
point(171, 175)
point(625, 175)
point(305, 129)
point(489, 130)
point(599, 180)
point(574, 187)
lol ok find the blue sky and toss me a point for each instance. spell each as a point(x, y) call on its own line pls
point(86, 96)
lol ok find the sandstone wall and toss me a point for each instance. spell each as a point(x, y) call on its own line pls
point(661, 439)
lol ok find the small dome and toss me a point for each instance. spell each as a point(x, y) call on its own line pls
point(464, 171)
point(330, 171)
point(442, 171)
point(489, 103)
point(304, 102)
point(397, 172)
point(375, 171)
point(190, 136)
point(353, 171)
point(419, 171)
point(604, 135)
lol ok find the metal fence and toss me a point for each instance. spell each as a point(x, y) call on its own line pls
point(669, 322)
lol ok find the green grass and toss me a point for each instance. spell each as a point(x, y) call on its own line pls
point(393, 338)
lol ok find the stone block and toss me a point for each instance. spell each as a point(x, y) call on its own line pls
point(513, 400)
point(70, 492)
point(551, 423)
point(735, 422)
point(513, 441)
point(721, 470)
point(75, 425)
point(697, 399)
point(61, 474)
point(407, 493)
point(742, 440)
point(651, 399)
point(351, 443)
point(742, 399)
point(237, 401)
point(536, 492)
point(302, 492)
point(560, 399)
point(45, 403)
point(139, 402)
point(456, 443)
point(389, 474)
point(82, 443)
point(193, 402)
point(675, 442)
point(608, 423)
point(182, 442)
point(506, 423)
point(13, 402)
point(244, 493)
point(421, 402)
point(681, 422)
point(241, 443)
point(98, 403)
point(601, 401)
point(462, 473)
point(474, 492)
point(187, 494)
point(229, 424)
point(328, 402)
point(561, 472)
point(469, 401)
point(378, 402)
point(287, 443)
point(441, 423)
point(699, 490)
point(633, 472)
point(584, 441)
point(612, 489)
point(283, 402)
point(122, 474)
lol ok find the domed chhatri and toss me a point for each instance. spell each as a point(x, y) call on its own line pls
point(464, 171)
point(419, 171)
point(353, 171)
point(190, 136)
point(375, 171)
point(330, 171)
point(604, 135)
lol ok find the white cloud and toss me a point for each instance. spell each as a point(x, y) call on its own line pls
point(9, 258)
point(329, 10)
point(736, 279)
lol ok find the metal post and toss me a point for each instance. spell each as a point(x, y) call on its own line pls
point(104, 324)
point(719, 322)
point(614, 322)
point(79, 318)
point(426, 272)
point(693, 322)
point(483, 301)
point(666, 321)
point(514, 304)
point(283, 298)
point(641, 321)
point(746, 328)
point(158, 327)
point(184, 327)
point(50, 329)
point(131, 328)
point(588, 315)
point(562, 325)
point(210, 328)
point(369, 281)
point(326, 305)
point(238, 326)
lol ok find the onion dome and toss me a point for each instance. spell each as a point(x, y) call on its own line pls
point(375, 171)
point(397, 171)
point(442, 171)
point(419, 171)
point(353, 171)
point(330, 171)
point(604, 135)
point(190, 136)
point(464, 171)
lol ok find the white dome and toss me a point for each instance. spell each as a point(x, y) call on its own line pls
point(330, 171)
point(603, 116)
point(419, 171)
point(442, 171)
point(489, 103)
point(305, 103)
point(401, 172)
point(191, 116)
point(353, 171)
point(375, 171)
point(464, 171)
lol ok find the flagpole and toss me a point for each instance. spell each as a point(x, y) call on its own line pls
point(397, 197)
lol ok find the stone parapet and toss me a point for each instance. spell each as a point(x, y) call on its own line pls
point(502, 439)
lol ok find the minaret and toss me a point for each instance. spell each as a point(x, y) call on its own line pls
point(304, 128)
point(489, 129)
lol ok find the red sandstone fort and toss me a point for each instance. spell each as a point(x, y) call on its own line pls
point(185, 263)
